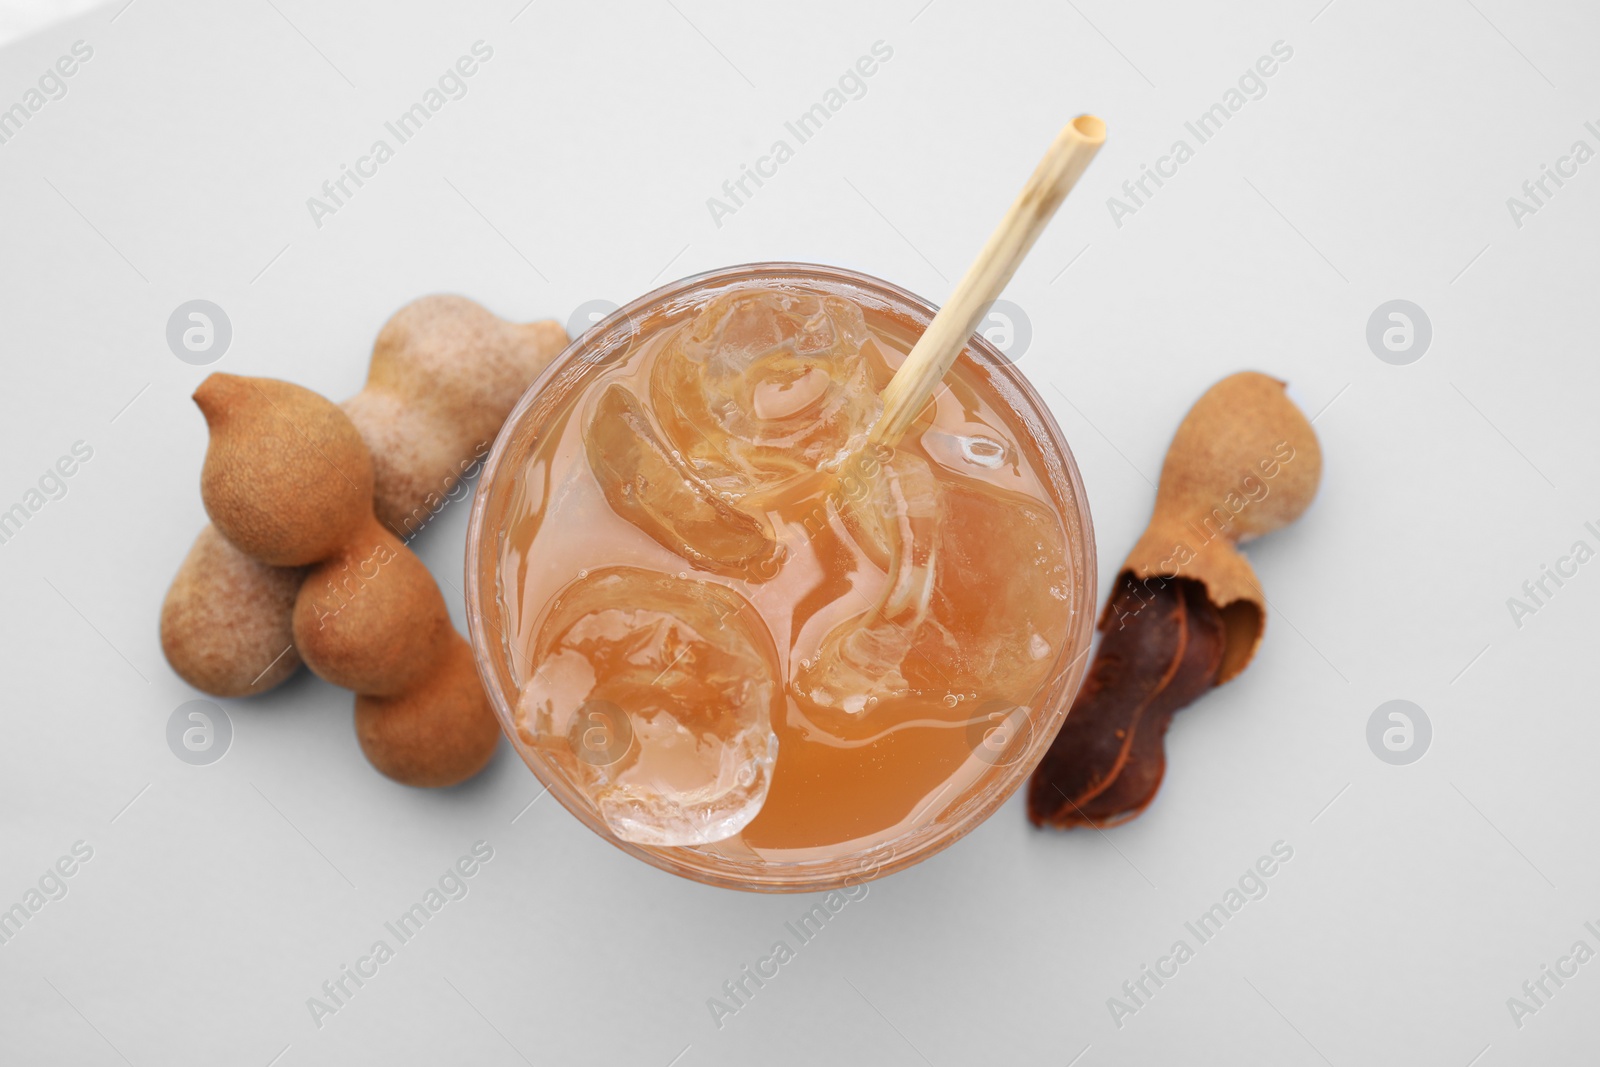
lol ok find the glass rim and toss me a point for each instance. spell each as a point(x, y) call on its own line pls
point(809, 875)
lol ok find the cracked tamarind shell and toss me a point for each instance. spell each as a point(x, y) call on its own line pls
point(1244, 462)
point(1186, 612)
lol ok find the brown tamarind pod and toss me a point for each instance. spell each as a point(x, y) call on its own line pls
point(226, 621)
point(1187, 611)
point(368, 615)
point(287, 478)
point(1243, 462)
point(444, 375)
point(370, 618)
point(439, 733)
point(1106, 764)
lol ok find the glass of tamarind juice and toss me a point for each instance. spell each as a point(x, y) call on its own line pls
point(744, 643)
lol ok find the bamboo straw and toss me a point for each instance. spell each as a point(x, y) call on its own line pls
point(913, 385)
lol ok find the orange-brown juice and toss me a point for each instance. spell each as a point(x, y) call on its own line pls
point(737, 626)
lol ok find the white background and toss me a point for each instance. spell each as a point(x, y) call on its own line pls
point(1377, 166)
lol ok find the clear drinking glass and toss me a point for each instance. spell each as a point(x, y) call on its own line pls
point(576, 369)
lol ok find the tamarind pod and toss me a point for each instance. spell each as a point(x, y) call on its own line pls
point(1106, 764)
point(226, 622)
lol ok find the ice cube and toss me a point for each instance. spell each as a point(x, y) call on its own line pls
point(764, 388)
point(651, 488)
point(656, 694)
point(977, 599)
point(895, 521)
point(1002, 596)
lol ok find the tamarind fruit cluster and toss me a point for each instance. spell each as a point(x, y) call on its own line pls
point(288, 481)
point(444, 374)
